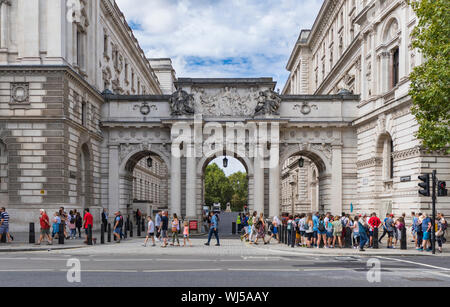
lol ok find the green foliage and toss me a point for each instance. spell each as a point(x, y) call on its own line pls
point(220, 189)
point(430, 82)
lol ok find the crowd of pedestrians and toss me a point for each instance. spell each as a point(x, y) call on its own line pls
point(329, 231)
point(66, 224)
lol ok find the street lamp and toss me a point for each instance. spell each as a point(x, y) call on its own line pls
point(301, 162)
point(225, 162)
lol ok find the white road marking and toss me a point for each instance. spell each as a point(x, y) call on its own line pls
point(177, 271)
point(28, 270)
point(416, 263)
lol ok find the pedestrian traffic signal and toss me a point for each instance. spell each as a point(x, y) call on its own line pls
point(425, 185)
point(442, 188)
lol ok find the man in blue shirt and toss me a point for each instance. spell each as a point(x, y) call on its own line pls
point(315, 219)
point(4, 225)
point(214, 230)
point(426, 228)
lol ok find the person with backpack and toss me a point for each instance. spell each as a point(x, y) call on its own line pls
point(289, 228)
point(245, 225)
point(175, 230)
point(72, 227)
point(118, 224)
point(337, 231)
point(322, 232)
point(309, 231)
point(274, 229)
point(441, 228)
point(78, 223)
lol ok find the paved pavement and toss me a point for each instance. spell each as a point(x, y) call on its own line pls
point(234, 264)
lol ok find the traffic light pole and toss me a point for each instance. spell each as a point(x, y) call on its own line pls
point(433, 222)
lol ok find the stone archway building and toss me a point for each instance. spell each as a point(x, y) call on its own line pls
point(79, 99)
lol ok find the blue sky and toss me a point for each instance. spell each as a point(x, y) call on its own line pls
point(221, 38)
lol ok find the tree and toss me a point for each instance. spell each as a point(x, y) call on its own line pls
point(223, 190)
point(430, 82)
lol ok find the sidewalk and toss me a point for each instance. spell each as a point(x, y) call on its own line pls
point(20, 243)
point(382, 251)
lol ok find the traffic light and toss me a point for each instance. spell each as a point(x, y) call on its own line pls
point(442, 188)
point(425, 185)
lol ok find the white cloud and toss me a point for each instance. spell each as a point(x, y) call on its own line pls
point(199, 35)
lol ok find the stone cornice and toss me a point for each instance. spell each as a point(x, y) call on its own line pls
point(372, 162)
point(130, 40)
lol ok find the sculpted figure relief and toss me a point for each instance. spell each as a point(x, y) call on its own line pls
point(181, 103)
point(269, 103)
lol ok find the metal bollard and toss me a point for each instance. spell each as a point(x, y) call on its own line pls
point(403, 241)
point(233, 228)
point(375, 238)
point(89, 239)
point(293, 237)
point(102, 234)
point(61, 234)
point(109, 233)
point(3, 240)
point(131, 229)
point(143, 225)
point(32, 237)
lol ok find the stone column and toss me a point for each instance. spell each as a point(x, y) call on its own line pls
point(259, 180)
point(56, 15)
point(386, 72)
point(274, 191)
point(191, 180)
point(4, 29)
point(175, 181)
point(29, 31)
point(336, 179)
point(114, 179)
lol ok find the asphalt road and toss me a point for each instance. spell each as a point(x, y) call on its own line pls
point(232, 265)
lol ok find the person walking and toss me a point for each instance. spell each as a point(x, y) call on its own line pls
point(105, 219)
point(158, 226)
point(78, 223)
point(426, 229)
point(72, 227)
point(175, 230)
point(88, 221)
point(186, 234)
point(118, 224)
point(44, 222)
point(150, 231)
point(337, 231)
point(55, 227)
point(214, 230)
point(309, 231)
point(274, 229)
point(164, 228)
point(442, 226)
point(63, 217)
point(260, 229)
point(4, 225)
point(385, 232)
point(252, 224)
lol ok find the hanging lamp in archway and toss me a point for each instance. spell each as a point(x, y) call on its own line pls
point(301, 162)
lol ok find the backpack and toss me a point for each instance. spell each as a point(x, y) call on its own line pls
point(289, 226)
point(338, 227)
point(321, 226)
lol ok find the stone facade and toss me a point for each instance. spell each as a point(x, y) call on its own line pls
point(365, 47)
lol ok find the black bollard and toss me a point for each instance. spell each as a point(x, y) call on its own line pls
point(32, 237)
point(61, 234)
point(143, 225)
point(293, 237)
point(131, 229)
point(102, 234)
point(109, 233)
point(233, 228)
point(375, 238)
point(89, 241)
point(403, 241)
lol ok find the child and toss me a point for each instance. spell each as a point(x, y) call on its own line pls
point(150, 231)
point(186, 234)
point(56, 221)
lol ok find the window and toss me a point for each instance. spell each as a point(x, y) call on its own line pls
point(105, 44)
point(395, 67)
point(83, 114)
